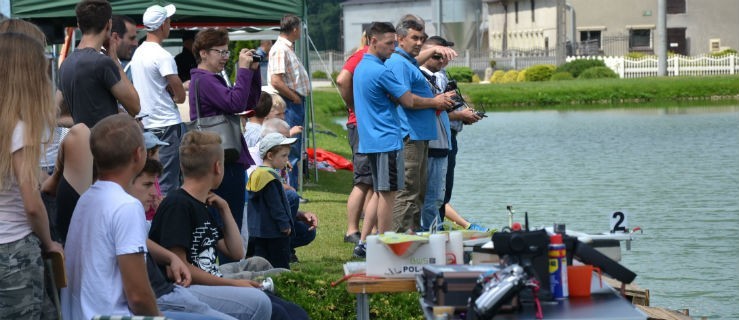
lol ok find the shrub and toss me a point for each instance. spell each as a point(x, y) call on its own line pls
point(562, 75)
point(461, 74)
point(475, 78)
point(493, 63)
point(540, 72)
point(509, 76)
point(319, 75)
point(576, 67)
point(521, 76)
point(334, 75)
point(497, 76)
point(723, 53)
point(598, 73)
point(636, 55)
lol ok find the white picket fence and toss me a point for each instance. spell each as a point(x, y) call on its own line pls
point(677, 65)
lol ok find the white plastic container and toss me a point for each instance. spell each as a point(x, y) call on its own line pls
point(382, 262)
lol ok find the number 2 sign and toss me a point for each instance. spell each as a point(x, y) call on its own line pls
point(619, 222)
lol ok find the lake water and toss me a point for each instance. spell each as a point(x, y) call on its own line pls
point(674, 171)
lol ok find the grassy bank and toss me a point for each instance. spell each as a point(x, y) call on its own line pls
point(602, 91)
point(321, 262)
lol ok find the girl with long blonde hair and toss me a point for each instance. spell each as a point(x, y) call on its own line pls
point(27, 115)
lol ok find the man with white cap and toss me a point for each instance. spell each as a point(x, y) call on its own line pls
point(154, 73)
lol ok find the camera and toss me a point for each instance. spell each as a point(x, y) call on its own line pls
point(256, 58)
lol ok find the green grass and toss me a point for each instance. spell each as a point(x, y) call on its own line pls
point(549, 94)
point(321, 261)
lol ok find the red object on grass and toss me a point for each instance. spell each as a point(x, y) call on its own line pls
point(333, 159)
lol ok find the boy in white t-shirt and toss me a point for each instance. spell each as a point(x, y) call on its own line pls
point(106, 244)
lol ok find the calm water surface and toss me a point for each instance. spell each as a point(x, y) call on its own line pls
point(675, 171)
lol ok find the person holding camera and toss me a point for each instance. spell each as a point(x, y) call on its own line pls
point(215, 97)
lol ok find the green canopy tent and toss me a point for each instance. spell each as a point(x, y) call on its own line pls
point(53, 16)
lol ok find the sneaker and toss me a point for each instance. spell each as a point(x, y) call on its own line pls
point(353, 238)
point(360, 250)
point(477, 227)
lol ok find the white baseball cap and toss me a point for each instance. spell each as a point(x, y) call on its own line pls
point(272, 140)
point(155, 15)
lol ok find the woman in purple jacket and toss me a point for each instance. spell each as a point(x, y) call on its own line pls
point(216, 97)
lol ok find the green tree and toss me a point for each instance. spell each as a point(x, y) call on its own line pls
point(323, 24)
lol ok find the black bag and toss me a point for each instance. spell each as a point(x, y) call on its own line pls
point(451, 285)
point(228, 126)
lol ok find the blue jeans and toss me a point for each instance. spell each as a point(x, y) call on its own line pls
point(435, 189)
point(180, 300)
point(295, 116)
point(169, 155)
point(239, 302)
point(451, 163)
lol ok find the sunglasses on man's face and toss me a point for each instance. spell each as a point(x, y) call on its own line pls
point(437, 57)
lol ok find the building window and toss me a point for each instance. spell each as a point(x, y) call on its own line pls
point(533, 6)
point(516, 6)
point(675, 6)
point(590, 41)
point(640, 39)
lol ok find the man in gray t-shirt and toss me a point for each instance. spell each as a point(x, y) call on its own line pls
point(90, 82)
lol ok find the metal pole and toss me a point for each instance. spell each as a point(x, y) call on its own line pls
point(661, 42)
point(561, 33)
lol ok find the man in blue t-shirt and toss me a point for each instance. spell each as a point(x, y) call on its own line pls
point(418, 122)
point(375, 90)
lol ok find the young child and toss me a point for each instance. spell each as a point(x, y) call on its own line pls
point(269, 215)
point(183, 225)
point(106, 243)
point(152, 152)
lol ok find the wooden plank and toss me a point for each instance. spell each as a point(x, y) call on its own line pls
point(654, 313)
point(634, 293)
point(383, 285)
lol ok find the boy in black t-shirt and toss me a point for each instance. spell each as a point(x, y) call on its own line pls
point(183, 225)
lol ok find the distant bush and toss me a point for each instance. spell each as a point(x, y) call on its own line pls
point(540, 72)
point(561, 75)
point(319, 75)
point(521, 76)
point(636, 55)
point(461, 74)
point(475, 78)
point(576, 67)
point(598, 73)
point(334, 75)
point(510, 76)
point(497, 76)
point(723, 53)
point(493, 63)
